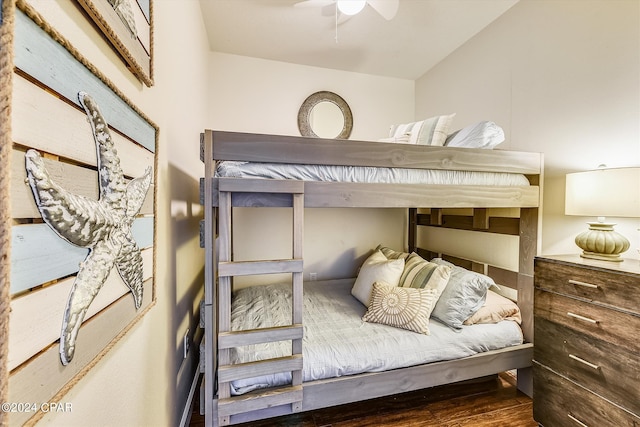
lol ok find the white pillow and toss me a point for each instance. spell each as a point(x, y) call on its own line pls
point(431, 131)
point(478, 135)
point(376, 268)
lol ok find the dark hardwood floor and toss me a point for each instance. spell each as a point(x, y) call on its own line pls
point(492, 402)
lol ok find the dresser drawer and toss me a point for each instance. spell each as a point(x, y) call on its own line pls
point(610, 287)
point(603, 368)
point(614, 327)
point(560, 402)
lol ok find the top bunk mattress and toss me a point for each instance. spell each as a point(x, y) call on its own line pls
point(365, 174)
point(338, 342)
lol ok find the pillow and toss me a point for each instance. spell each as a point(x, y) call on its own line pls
point(422, 274)
point(376, 268)
point(465, 293)
point(495, 309)
point(402, 139)
point(478, 135)
point(432, 131)
point(406, 308)
point(392, 254)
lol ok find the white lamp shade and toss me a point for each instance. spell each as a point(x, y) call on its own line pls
point(604, 192)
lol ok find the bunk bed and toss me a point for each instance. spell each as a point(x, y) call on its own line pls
point(426, 204)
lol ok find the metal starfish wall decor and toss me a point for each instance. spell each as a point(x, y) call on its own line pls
point(103, 226)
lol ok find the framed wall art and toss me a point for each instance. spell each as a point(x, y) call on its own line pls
point(83, 174)
point(128, 25)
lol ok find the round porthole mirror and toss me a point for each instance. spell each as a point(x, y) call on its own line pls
point(325, 115)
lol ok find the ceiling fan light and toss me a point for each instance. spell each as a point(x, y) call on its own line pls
point(351, 7)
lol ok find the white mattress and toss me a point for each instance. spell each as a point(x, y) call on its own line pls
point(231, 169)
point(337, 342)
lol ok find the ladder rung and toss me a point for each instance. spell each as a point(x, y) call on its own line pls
point(260, 400)
point(246, 185)
point(258, 336)
point(249, 268)
point(227, 373)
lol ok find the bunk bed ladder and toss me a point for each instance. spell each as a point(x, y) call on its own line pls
point(228, 405)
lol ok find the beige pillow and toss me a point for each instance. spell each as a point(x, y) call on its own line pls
point(495, 309)
point(391, 253)
point(406, 308)
point(376, 268)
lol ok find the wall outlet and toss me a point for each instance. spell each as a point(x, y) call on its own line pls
point(185, 344)
point(313, 276)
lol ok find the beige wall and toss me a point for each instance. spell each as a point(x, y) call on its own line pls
point(255, 95)
point(143, 380)
point(561, 77)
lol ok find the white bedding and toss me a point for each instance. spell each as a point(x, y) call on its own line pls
point(232, 169)
point(337, 342)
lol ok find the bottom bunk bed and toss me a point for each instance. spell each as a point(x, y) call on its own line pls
point(471, 331)
point(347, 359)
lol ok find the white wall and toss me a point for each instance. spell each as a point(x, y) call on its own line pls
point(143, 379)
point(561, 77)
point(256, 95)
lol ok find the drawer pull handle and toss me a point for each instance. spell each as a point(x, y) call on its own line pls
point(577, 421)
point(584, 362)
point(586, 319)
point(586, 285)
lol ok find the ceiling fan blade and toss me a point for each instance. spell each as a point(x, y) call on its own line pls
point(313, 3)
point(386, 8)
point(343, 17)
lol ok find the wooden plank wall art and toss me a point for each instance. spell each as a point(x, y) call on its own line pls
point(128, 25)
point(6, 72)
point(83, 173)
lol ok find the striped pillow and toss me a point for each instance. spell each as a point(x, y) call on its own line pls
point(422, 274)
point(432, 131)
point(404, 308)
point(391, 254)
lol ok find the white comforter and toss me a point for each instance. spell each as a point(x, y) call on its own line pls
point(337, 342)
point(231, 169)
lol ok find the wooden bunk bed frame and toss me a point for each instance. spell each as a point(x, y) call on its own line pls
point(219, 195)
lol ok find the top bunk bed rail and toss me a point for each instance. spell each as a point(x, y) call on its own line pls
point(253, 147)
point(259, 148)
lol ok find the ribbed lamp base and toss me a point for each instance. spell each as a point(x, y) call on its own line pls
point(602, 242)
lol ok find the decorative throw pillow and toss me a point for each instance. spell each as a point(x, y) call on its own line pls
point(376, 268)
point(422, 274)
point(406, 308)
point(402, 139)
point(392, 254)
point(465, 293)
point(495, 309)
point(478, 135)
point(432, 131)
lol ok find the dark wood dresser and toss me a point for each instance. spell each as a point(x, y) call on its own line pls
point(586, 368)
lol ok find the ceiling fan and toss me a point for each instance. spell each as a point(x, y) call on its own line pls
point(347, 8)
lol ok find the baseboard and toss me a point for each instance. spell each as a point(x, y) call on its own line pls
point(186, 412)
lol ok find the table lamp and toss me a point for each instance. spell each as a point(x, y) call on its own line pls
point(601, 193)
